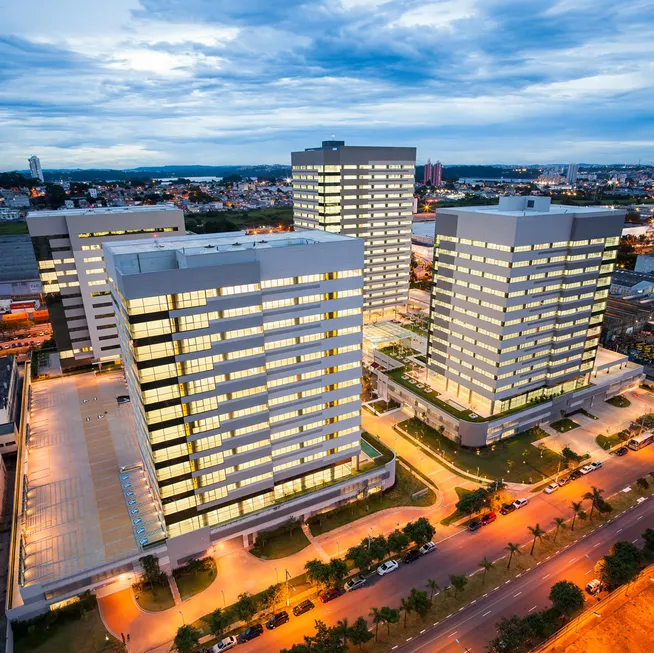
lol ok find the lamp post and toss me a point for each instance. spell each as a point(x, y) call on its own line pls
point(276, 576)
point(183, 622)
point(224, 602)
point(338, 550)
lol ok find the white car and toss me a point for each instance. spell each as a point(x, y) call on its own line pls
point(427, 548)
point(387, 567)
point(225, 644)
point(595, 465)
point(520, 503)
point(587, 469)
point(552, 487)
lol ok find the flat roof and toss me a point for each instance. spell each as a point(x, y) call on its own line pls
point(76, 517)
point(554, 209)
point(103, 210)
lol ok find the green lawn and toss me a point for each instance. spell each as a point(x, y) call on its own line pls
point(191, 584)
point(609, 441)
point(564, 425)
point(13, 228)
point(155, 600)
point(514, 459)
point(457, 514)
point(280, 543)
point(399, 495)
point(619, 401)
point(382, 406)
point(81, 635)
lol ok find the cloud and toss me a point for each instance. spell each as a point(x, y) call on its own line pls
point(439, 15)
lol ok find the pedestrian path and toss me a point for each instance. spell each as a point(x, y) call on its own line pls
point(174, 590)
point(314, 542)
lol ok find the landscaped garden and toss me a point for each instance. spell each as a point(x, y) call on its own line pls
point(194, 577)
point(610, 441)
point(457, 514)
point(381, 406)
point(280, 542)
point(515, 459)
point(154, 599)
point(564, 425)
point(619, 401)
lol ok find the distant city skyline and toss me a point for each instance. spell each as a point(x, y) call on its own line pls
point(137, 83)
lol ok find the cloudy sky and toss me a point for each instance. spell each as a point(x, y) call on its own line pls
point(146, 82)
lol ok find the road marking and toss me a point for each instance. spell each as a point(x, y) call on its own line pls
point(394, 647)
point(588, 572)
point(619, 529)
point(546, 576)
point(454, 633)
point(473, 602)
point(463, 608)
point(485, 595)
point(532, 609)
point(507, 582)
point(448, 616)
point(410, 638)
point(596, 545)
point(422, 631)
point(436, 624)
point(639, 518)
point(634, 541)
point(486, 613)
point(573, 559)
point(498, 587)
point(515, 596)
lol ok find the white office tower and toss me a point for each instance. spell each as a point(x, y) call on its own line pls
point(243, 360)
point(518, 299)
point(68, 248)
point(35, 168)
point(573, 171)
point(365, 192)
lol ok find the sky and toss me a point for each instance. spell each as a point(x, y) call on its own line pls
point(126, 83)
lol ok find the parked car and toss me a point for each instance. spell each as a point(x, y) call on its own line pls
point(251, 633)
point(575, 475)
point(622, 451)
point(427, 548)
point(507, 508)
point(474, 525)
point(488, 518)
point(595, 465)
point(303, 607)
point(552, 487)
point(412, 556)
point(330, 595)
point(520, 503)
point(355, 583)
point(277, 620)
point(387, 567)
point(563, 481)
point(225, 644)
point(587, 469)
point(593, 586)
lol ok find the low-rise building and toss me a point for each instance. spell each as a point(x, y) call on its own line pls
point(629, 282)
point(9, 404)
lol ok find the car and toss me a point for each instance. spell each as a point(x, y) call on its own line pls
point(330, 595)
point(520, 503)
point(593, 586)
point(563, 481)
point(303, 607)
point(488, 518)
point(427, 548)
point(354, 583)
point(251, 633)
point(474, 525)
point(412, 556)
point(507, 508)
point(41, 333)
point(224, 644)
point(552, 487)
point(595, 465)
point(6, 346)
point(622, 451)
point(587, 469)
point(575, 475)
point(387, 567)
point(277, 620)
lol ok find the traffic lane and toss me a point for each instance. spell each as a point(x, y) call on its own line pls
point(474, 627)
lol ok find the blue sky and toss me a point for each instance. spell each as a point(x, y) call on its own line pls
point(151, 82)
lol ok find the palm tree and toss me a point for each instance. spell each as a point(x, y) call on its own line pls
point(391, 616)
point(511, 548)
point(594, 496)
point(406, 605)
point(560, 523)
point(377, 618)
point(343, 629)
point(433, 586)
point(577, 508)
point(486, 564)
point(537, 533)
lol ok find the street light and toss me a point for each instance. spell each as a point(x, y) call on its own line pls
point(277, 575)
point(338, 550)
point(183, 622)
point(224, 603)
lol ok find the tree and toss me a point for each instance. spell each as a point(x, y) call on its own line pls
point(578, 510)
point(343, 629)
point(560, 523)
point(648, 536)
point(594, 497)
point(420, 531)
point(359, 633)
point(458, 583)
point(317, 572)
point(566, 597)
point(642, 483)
point(218, 621)
point(513, 636)
point(406, 606)
point(378, 548)
point(433, 587)
point(271, 597)
point(473, 501)
point(621, 566)
point(55, 196)
point(245, 608)
point(186, 639)
point(537, 532)
point(511, 548)
point(336, 571)
point(377, 618)
point(391, 616)
point(397, 541)
point(152, 574)
point(359, 556)
point(486, 564)
point(326, 640)
point(419, 602)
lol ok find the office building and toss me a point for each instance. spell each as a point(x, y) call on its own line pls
point(243, 361)
point(365, 192)
point(68, 248)
point(517, 305)
point(433, 173)
point(9, 403)
point(573, 171)
point(35, 168)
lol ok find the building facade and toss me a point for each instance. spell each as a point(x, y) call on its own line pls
point(68, 248)
point(573, 171)
point(433, 173)
point(35, 168)
point(365, 192)
point(243, 361)
point(518, 299)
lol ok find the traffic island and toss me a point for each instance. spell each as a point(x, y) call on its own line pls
point(194, 577)
point(619, 401)
point(153, 599)
point(280, 542)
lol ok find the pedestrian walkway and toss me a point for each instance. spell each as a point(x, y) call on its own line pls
point(307, 531)
point(174, 590)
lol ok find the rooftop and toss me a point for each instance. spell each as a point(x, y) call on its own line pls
point(6, 365)
point(630, 278)
point(103, 210)
point(528, 205)
point(76, 517)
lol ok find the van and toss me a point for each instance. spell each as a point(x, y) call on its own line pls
point(594, 586)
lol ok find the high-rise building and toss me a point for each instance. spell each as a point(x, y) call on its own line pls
point(365, 192)
point(573, 171)
point(35, 168)
point(68, 248)
point(518, 299)
point(433, 173)
point(243, 360)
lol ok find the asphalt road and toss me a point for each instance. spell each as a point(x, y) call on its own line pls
point(461, 553)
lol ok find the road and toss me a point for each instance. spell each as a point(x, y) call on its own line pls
point(461, 553)
point(9, 344)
